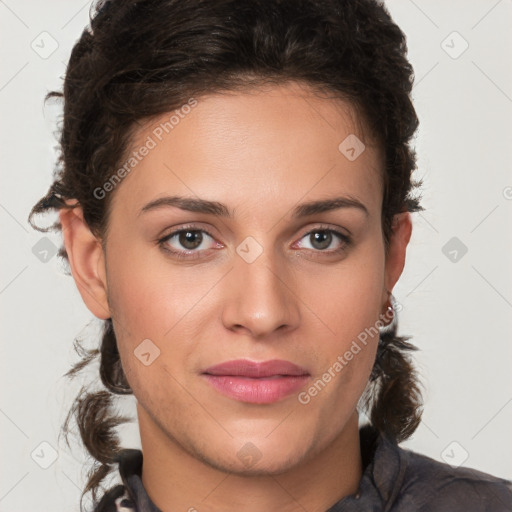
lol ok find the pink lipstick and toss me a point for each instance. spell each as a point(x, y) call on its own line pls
point(256, 382)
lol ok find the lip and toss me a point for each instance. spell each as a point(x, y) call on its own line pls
point(256, 382)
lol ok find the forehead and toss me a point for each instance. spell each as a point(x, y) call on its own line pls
point(262, 147)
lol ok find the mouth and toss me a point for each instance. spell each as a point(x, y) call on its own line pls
point(256, 382)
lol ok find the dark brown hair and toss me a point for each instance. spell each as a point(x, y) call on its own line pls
point(142, 58)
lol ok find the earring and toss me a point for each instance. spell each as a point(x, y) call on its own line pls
point(390, 313)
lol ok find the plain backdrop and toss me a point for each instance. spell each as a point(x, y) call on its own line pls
point(456, 288)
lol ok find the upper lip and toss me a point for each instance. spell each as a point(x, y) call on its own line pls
point(255, 369)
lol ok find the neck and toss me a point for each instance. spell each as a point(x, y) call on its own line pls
point(175, 480)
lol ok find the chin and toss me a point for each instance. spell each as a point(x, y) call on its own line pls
point(255, 456)
point(279, 464)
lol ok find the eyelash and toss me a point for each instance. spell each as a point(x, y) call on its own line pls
point(345, 239)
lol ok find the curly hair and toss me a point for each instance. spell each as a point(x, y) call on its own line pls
point(139, 59)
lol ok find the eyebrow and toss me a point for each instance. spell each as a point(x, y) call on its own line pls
point(221, 210)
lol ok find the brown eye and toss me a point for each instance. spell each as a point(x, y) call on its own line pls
point(320, 239)
point(187, 242)
point(190, 239)
point(325, 240)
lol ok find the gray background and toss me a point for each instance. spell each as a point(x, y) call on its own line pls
point(457, 306)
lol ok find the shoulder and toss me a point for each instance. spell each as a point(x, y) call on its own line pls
point(432, 486)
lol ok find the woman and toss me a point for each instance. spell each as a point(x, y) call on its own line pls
point(235, 197)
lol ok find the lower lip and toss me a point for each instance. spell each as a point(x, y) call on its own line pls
point(257, 391)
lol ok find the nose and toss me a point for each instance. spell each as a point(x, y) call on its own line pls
point(261, 298)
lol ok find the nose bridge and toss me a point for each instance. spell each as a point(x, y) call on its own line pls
point(260, 294)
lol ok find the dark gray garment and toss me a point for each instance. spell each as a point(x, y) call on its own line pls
point(394, 480)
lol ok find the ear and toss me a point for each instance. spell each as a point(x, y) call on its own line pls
point(87, 261)
point(395, 260)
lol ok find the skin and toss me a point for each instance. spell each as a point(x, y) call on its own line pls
point(260, 152)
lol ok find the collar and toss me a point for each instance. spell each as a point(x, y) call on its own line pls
point(130, 470)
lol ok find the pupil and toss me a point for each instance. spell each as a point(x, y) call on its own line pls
point(187, 239)
point(323, 237)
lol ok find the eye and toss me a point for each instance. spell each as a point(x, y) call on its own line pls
point(321, 238)
point(181, 243)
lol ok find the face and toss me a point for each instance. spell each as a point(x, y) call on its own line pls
point(256, 277)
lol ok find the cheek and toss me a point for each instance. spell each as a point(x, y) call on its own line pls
point(146, 297)
point(140, 307)
point(151, 299)
point(347, 298)
point(349, 305)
